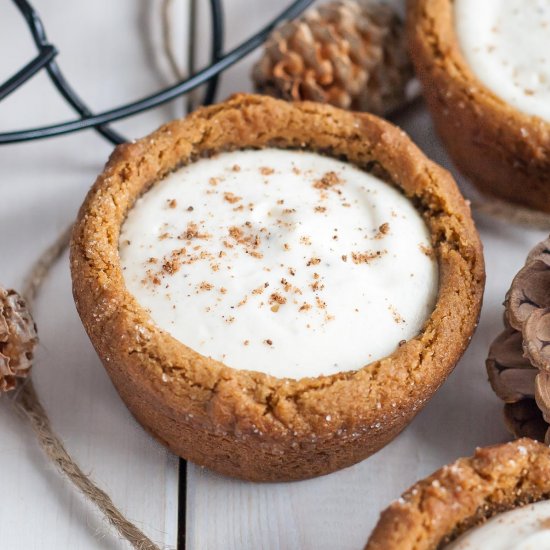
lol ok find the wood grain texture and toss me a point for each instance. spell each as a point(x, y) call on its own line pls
point(41, 186)
point(340, 510)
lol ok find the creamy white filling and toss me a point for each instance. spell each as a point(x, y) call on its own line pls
point(526, 528)
point(507, 45)
point(284, 262)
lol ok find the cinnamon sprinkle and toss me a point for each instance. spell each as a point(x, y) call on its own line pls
point(384, 229)
point(365, 257)
point(192, 232)
point(172, 266)
point(277, 298)
point(286, 285)
point(313, 261)
point(205, 286)
point(329, 179)
point(316, 286)
point(231, 197)
point(396, 316)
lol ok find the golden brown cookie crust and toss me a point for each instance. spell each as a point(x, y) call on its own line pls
point(248, 424)
point(504, 152)
point(461, 495)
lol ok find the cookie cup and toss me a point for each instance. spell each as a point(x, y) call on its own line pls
point(440, 508)
point(504, 152)
point(244, 423)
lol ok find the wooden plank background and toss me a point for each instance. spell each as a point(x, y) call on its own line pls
point(41, 187)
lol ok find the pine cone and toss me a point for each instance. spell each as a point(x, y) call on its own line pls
point(349, 53)
point(519, 359)
point(18, 339)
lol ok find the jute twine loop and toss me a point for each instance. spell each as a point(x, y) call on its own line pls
point(25, 398)
point(27, 402)
point(167, 40)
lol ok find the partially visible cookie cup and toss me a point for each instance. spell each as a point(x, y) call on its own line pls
point(503, 151)
point(464, 494)
point(244, 423)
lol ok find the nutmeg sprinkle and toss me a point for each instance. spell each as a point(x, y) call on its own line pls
point(270, 246)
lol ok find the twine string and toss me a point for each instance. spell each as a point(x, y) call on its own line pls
point(40, 269)
point(168, 41)
point(27, 402)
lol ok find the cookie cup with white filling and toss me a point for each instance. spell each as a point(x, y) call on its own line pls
point(246, 423)
point(457, 500)
point(502, 147)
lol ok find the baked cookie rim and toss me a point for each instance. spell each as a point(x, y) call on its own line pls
point(439, 508)
point(434, 18)
point(226, 400)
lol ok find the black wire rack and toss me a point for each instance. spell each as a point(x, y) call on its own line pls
point(87, 119)
point(47, 52)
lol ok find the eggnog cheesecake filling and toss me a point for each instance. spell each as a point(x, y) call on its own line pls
point(525, 528)
point(285, 262)
point(506, 43)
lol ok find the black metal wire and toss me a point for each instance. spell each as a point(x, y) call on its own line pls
point(89, 120)
point(209, 76)
point(216, 54)
point(28, 71)
point(54, 72)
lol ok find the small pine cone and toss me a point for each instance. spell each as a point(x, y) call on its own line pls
point(542, 398)
point(18, 338)
point(518, 364)
point(511, 375)
point(349, 53)
point(523, 419)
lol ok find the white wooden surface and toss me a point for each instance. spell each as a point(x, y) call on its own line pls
point(41, 186)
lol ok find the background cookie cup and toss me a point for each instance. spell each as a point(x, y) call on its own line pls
point(461, 495)
point(244, 423)
point(505, 152)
